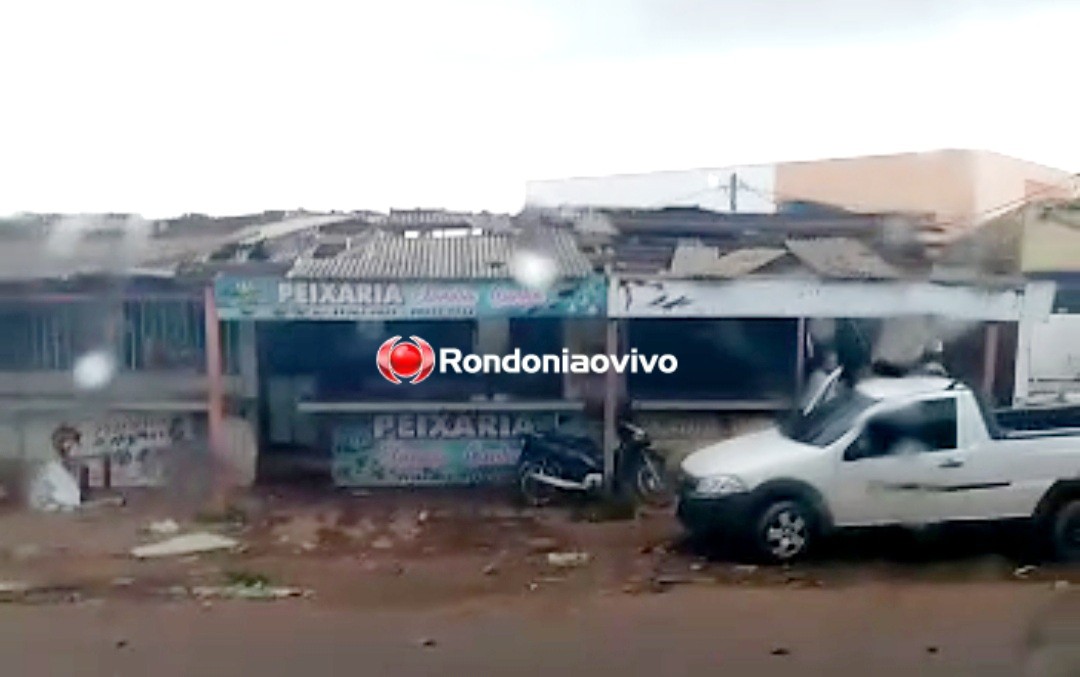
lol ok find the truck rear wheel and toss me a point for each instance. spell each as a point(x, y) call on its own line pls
point(784, 530)
point(1065, 531)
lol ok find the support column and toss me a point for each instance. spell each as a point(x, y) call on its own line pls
point(611, 398)
point(990, 359)
point(215, 390)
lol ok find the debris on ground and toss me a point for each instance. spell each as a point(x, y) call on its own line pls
point(780, 651)
point(123, 582)
point(165, 527)
point(249, 579)
point(248, 592)
point(428, 642)
point(188, 544)
point(744, 569)
point(567, 560)
point(104, 502)
point(25, 551)
point(382, 543)
point(542, 544)
point(1061, 585)
point(8, 588)
point(490, 569)
point(1024, 571)
point(668, 580)
point(52, 488)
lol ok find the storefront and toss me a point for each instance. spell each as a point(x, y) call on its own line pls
point(324, 398)
point(756, 337)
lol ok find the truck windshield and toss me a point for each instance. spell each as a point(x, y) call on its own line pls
point(829, 421)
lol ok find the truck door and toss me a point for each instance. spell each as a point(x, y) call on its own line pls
point(895, 470)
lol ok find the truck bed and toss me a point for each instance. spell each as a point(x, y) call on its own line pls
point(1038, 421)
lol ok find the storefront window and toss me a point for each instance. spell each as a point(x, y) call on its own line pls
point(744, 360)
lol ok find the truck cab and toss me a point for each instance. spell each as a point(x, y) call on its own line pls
point(913, 451)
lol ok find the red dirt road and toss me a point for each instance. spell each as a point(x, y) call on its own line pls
point(976, 629)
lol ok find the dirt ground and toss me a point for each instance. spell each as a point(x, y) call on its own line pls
point(451, 581)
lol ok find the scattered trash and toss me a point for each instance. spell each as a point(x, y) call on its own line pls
point(13, 588)
point(931, 649)
point(382, 543)
point(551, 579)
point(187, 544)
point(166, 527)
point(490, 569)
point(697, 566)
point(780, 651)
point(541, 544)
point(121, 643)
point(422, 516)
point(533, 587)
point(104, 502)
point(428, 642)
point(568, 560)
point(667, 580)
point(52, 488)
point(1024, 571)
point(177, 591)
point(1061, 585)
point(744, 569)
point(25, 551)
point(247, 592)
point(123, 582)
point(247, 578)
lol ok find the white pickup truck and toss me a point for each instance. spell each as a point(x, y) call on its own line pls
point(890, 451)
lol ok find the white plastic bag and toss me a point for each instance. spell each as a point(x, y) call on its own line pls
point(53, 488)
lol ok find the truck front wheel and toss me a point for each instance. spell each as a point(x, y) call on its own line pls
point(1065, 531)
point(784, 530)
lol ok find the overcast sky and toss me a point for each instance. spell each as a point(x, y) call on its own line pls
point(230, 106)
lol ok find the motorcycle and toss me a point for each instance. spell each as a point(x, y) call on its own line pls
point(552, 463)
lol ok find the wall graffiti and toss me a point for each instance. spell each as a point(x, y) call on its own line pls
point(137, 446)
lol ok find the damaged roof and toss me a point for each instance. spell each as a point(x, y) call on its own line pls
point(700, 261)
point(841, 257)
point(386, 256)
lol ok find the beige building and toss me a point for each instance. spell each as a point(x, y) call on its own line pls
point(960, 188)
point(957, 188)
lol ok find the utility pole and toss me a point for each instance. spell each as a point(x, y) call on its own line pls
point(733, 193)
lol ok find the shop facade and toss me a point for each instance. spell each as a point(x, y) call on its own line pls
point(323, 398)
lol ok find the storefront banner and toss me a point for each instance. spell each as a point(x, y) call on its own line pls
point(461, 448)
point(267, 298)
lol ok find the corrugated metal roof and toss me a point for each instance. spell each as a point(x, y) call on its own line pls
point(700, 261)
point(388, 256)
point(841, 257)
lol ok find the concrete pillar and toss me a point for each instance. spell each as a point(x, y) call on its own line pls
point(611, 398)
point(215, 389)
point(990, 358)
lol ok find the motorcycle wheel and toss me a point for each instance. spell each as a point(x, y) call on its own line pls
point(534, 492)
point(650, 485)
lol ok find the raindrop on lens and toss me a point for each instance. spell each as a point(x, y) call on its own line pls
point(533, 269)
point(94, 370)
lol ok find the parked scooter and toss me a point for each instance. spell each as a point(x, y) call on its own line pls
point(552, 463)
